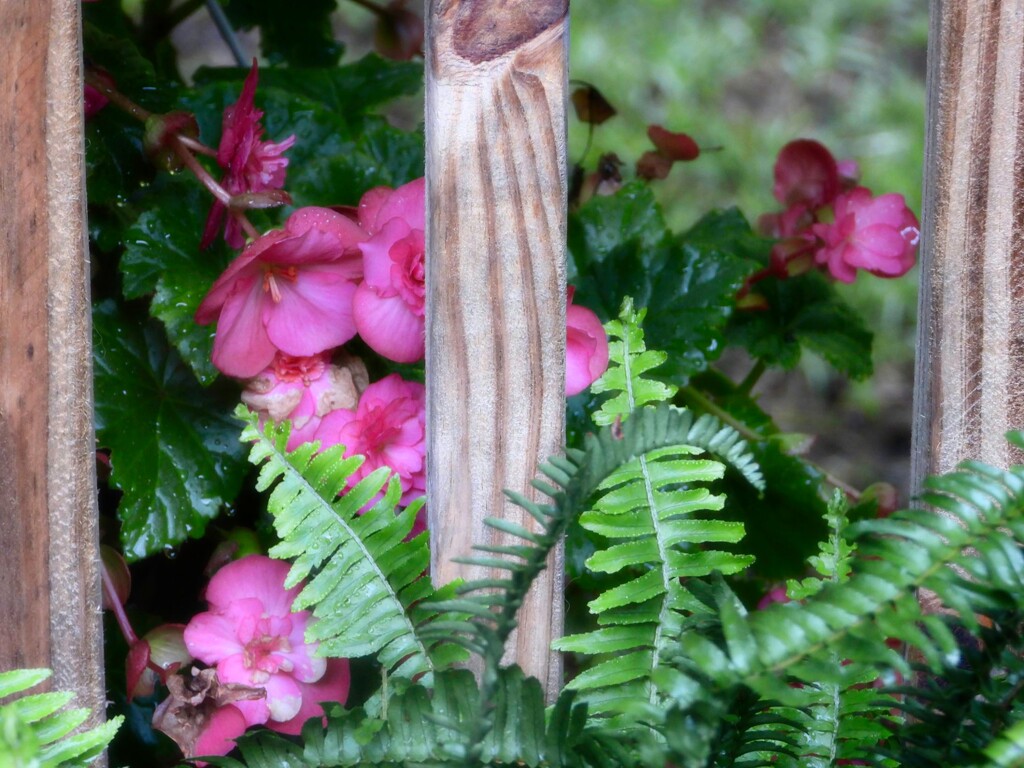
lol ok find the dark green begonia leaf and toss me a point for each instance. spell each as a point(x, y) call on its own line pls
point(688, 282)
point(804, 312)
point(350, 90)
point(162, 258)
point(174, 446)
point(785, 522)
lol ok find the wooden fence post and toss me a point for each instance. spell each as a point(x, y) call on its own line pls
point(970, 371)
point(496, 207)
point(49, 579)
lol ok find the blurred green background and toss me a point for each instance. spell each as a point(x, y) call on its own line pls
point(750, 76)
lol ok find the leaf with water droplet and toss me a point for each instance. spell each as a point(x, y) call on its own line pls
point(174, 445)
point(162, 259)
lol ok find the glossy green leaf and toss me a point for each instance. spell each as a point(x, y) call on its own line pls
point(162, 258)
point(688, 282)
point(804, 312)
point(174, 447)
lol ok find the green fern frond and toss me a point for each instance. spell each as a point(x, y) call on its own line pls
point(37, 729)
point(754, 732)
point(834, 560)
point(648, 513)
point(971, 558)
point(628, 361)
point(653, 512)
point(366, 583)
point(951, 716)
point(425, 727)
point(834, 721)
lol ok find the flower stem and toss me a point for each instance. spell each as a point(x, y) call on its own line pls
point(117, 98)
point(247, 225)
point(752, 377)
point(197, 146)
point(200, 173)
point(227, 32)
point(118, 609)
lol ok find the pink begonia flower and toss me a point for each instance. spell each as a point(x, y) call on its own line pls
point(586, 348)
point(303, 390)
point(253, 165)
point(876, 234)
point(806, 173)
point(388, 428)
point(290, 291)
point(254, 639)
point(389, 303)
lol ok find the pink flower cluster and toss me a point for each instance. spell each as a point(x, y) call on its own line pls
point(832, 222)
point(253, 639)
point(251, 164)
point(298, 293)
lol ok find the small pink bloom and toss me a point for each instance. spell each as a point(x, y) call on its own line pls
point(876, 234)
point(388, 428)
point(252, 636)
point(290, 291)
point(806, 173)
point(776, 594)
point(586, 348)
point(389, 303)
point(303, 390)
point(253, 165)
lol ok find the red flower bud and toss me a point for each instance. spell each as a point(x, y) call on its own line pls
point(674, 146)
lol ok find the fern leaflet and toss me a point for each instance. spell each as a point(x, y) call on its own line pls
point(37, 729)
point(368, 583)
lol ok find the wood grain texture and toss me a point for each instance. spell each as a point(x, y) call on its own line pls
point(496, 191)
point(49, 580)
point(969, 387)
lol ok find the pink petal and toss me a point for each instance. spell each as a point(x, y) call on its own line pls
point(233, 669)
point(218, 736)
point(211, 637)
point(332, 687)
point(306, 668)
point(376, 251)
point(388, 326)
point(346, 231)
point(241, 346)
point(284, 697)
point(241, 270)
point(806, 172)
point(586, 349)
point(315, 247)
point(254, 576)
point(408, 203)
point(331, 426)
point(370, 206)
point(314, 314)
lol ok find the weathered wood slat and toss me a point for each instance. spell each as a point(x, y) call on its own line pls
point(49, 582)
point(496, 189)
point(970, 375)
